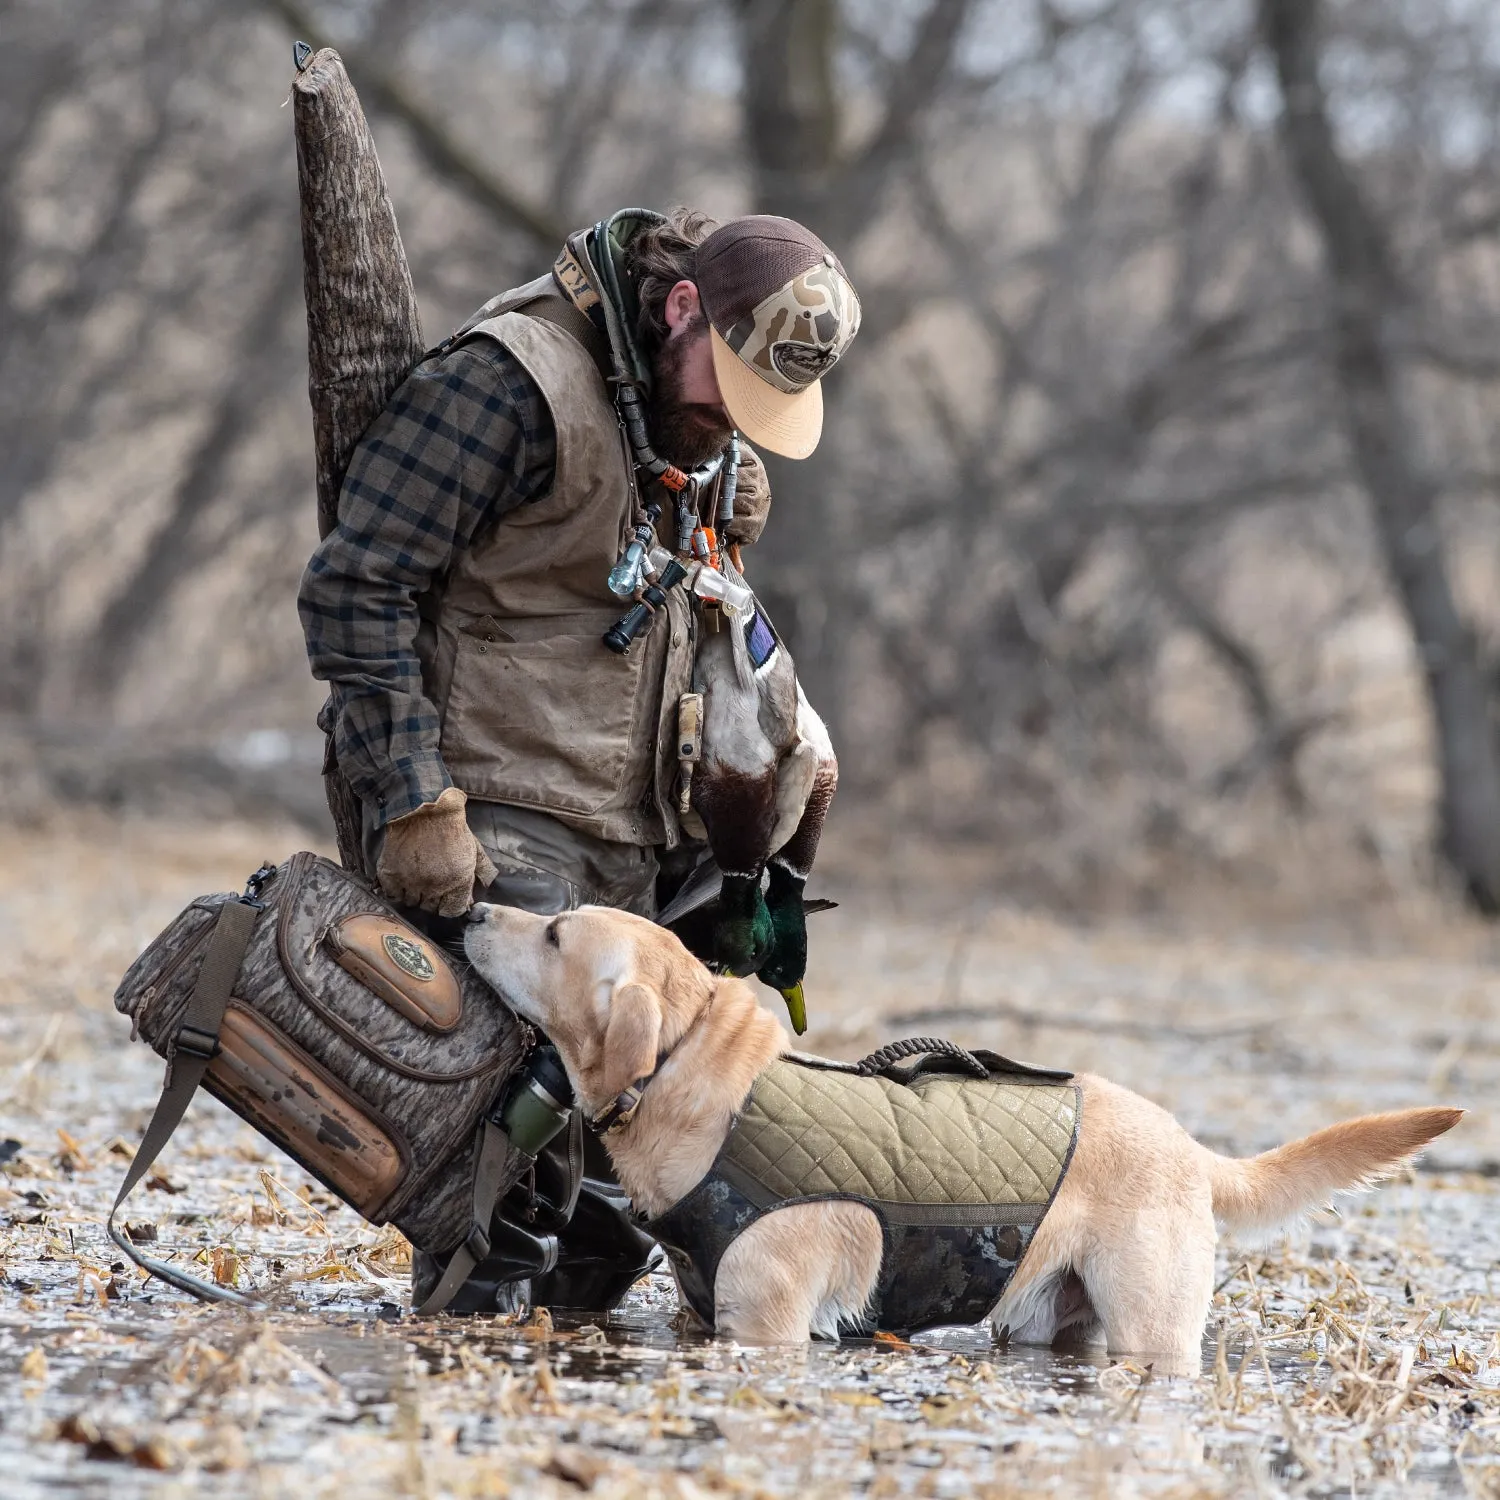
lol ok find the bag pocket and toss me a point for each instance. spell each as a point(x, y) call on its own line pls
point(271, 1083)
point(155, 984)
point(400, 966)
point(320, 902)
point(546, 723)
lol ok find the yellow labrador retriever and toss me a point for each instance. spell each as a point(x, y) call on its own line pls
point(665, 1054)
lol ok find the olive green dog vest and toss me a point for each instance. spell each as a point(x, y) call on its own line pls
point(959, 1171)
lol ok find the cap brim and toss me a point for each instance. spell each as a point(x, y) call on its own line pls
point(771, 419)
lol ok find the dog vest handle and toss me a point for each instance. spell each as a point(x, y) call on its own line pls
point(192, 1049)
point(884, 1058)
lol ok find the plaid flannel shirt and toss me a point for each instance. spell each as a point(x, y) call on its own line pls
point(466, 438)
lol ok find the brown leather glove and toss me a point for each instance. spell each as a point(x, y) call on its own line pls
point(752, 499)
point(431, 860)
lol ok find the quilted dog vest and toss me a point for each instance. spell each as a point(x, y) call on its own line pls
point(959, 1171)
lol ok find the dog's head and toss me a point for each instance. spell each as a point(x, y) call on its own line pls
point(610, 990)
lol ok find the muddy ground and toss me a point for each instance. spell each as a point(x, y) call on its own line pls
point(1358, 1356)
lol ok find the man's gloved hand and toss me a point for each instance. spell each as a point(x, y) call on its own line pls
point(431, 860)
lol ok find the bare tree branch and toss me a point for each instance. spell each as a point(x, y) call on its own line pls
point(1277, 740)
point(177, 545)
point(915, 87)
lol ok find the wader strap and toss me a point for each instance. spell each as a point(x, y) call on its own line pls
point(192, 1049)
point(494, 1152)
point(546, 307)
point(561, 313)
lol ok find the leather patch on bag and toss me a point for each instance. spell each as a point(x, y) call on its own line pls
point(401, 966)
point(276, 1087)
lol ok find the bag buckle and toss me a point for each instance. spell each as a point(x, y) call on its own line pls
point(477, 1243)
point(196, 1043)
point(254, 884)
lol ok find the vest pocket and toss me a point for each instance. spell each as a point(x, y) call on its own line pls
point(547, 723)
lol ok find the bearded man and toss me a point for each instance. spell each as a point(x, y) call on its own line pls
point(499, 750)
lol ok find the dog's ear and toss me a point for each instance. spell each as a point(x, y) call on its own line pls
point(631, 1037)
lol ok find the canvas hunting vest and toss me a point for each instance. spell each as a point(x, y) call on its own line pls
point(536, 711)
point(958, 1170)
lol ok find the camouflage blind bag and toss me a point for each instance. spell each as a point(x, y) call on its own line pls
point(348, 1039)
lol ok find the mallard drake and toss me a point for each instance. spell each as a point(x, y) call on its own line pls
point(762, 790)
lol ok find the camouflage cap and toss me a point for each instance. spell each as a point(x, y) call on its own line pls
point(781, 311)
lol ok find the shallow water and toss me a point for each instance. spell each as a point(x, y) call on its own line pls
point(1378, 1331)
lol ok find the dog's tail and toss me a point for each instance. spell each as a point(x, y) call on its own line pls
point(1262, 1191)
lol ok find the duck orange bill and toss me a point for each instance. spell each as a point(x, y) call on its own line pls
point(796, 1008)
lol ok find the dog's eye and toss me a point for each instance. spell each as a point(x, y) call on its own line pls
point(552, 933)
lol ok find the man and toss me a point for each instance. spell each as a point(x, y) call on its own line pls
point(495, 744)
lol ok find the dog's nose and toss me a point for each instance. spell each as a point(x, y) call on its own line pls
point(478, 912)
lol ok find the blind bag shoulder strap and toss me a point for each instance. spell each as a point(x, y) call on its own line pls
point(192, 1049)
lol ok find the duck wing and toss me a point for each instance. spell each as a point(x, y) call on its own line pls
point(701, 889)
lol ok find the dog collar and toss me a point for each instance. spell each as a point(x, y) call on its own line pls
point(627, 1101)
point(621, 1112)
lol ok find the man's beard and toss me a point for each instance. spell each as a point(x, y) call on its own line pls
point(681, 432)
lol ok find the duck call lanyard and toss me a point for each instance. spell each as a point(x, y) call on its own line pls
point(590, 259)
point(634, 575)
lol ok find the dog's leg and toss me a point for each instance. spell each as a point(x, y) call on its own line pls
point(1045, 1299)
point(1077, 1324)
point(1133, 1222)
point(1053, 1311)
point(1128, 1246)
point(1152, 1285)
point(800, 1270)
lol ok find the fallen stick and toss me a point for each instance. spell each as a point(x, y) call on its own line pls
point(26, 1075)
point(1061, 1022)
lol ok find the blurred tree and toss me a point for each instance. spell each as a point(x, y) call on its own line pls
point(792, 117)
point(806, 167)
point(1371, 316)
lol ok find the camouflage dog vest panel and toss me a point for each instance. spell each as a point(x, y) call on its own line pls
point(959, 1171)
